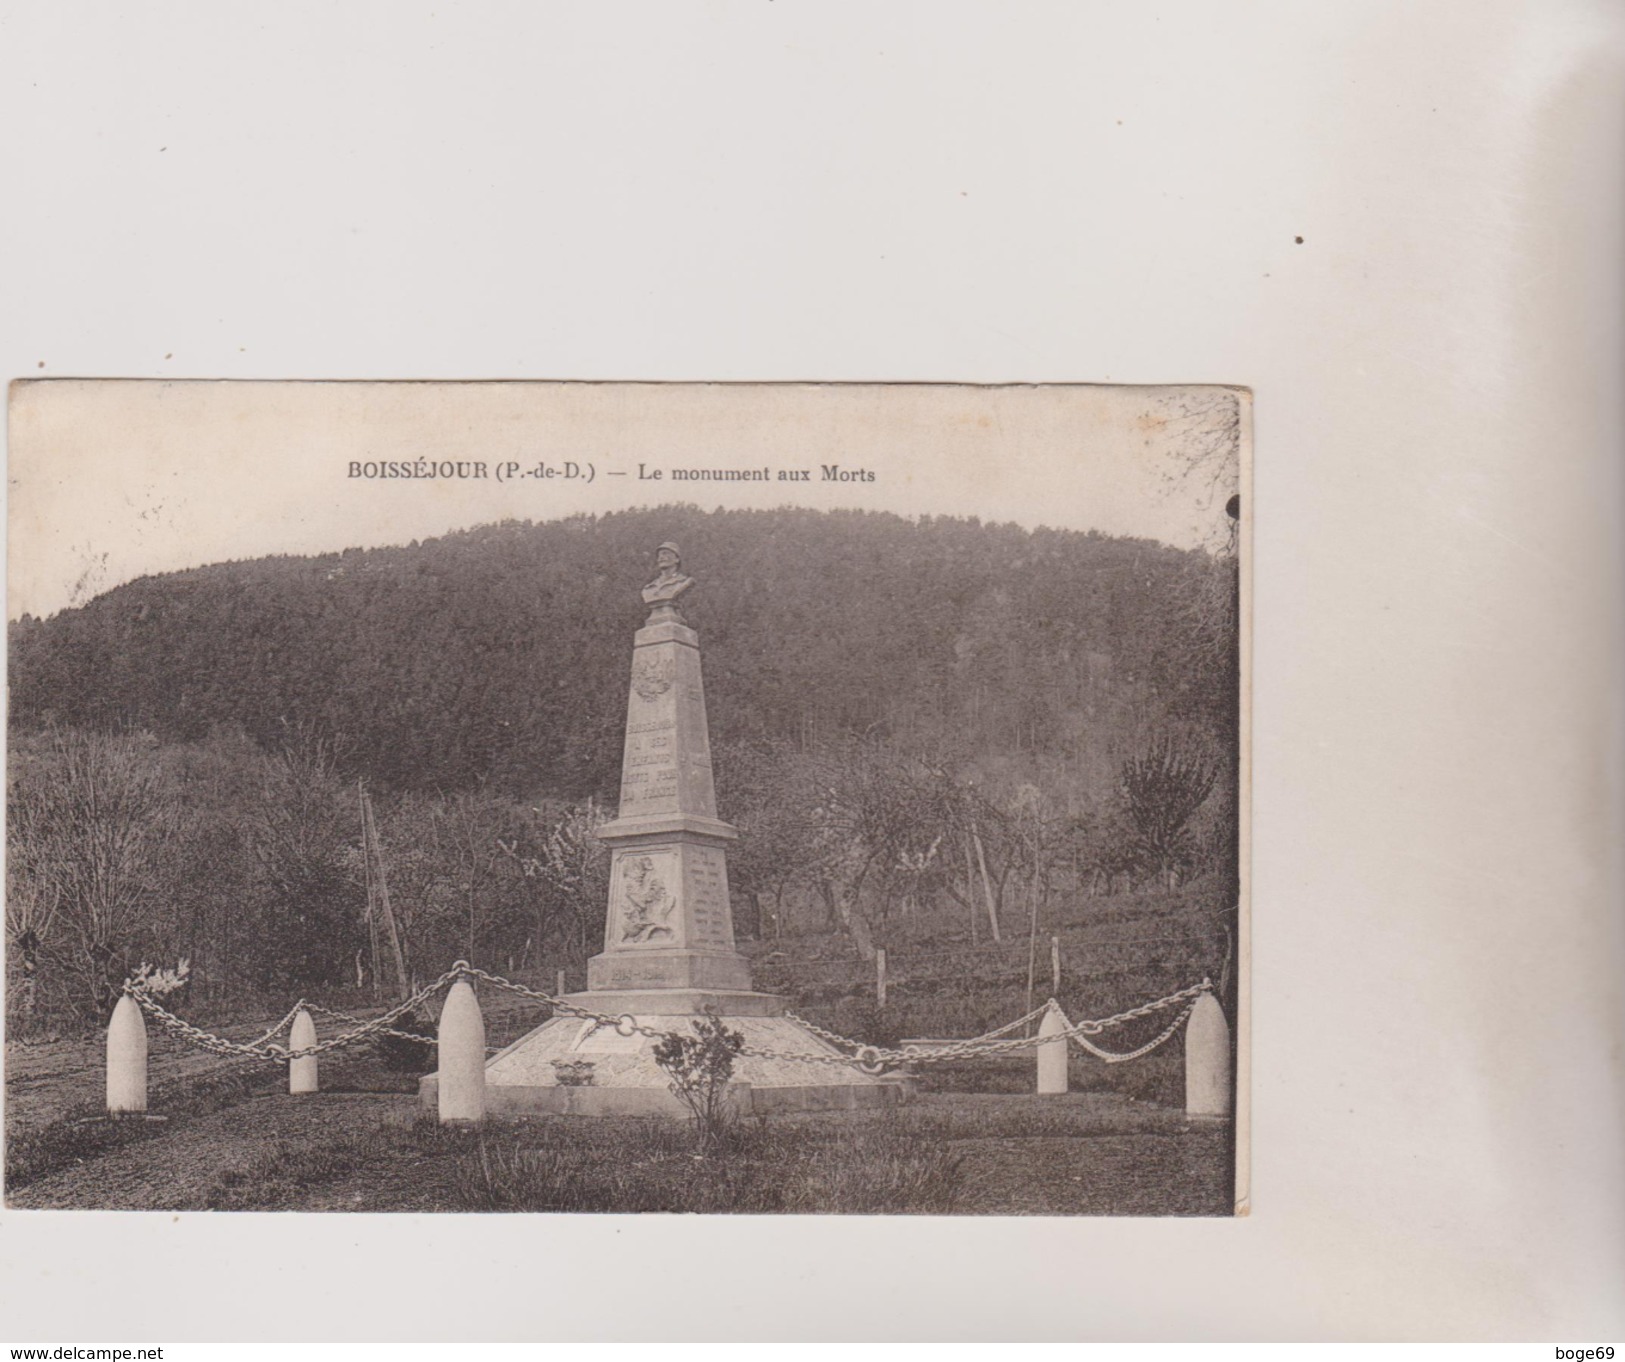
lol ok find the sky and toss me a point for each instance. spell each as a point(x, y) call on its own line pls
point(108, 481)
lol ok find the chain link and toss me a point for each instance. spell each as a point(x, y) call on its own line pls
point(277, 1054)
point(192, 1035)
point(1112, 1057)
point(286, 1021)
point(875, 1059)
point(1094, 1028)
point(336, 1015)
point(357, 1021)
point(832, 1037)
point(870, 1059)
point(624, 1025)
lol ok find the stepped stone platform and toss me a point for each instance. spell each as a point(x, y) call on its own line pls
point(669, 954)
point(626, 1081)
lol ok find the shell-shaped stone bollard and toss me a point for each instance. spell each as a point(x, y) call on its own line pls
point(127, 1058)
point(1207, 1060)
point(302, 1071)
point(1052, 1051)
point(462, 1056)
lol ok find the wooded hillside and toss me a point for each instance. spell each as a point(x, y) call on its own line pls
point(914, 723)
point(498, 655)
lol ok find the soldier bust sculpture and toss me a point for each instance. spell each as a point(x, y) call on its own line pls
point(670, 583)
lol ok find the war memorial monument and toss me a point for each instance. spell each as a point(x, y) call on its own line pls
point(669, 955)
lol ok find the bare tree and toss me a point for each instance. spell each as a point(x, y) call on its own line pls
point(1200, 431)
point(566, 869)
point(309, 903)
point(88, 819)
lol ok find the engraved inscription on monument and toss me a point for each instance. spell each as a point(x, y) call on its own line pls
point(707, 892)
point(649, 768)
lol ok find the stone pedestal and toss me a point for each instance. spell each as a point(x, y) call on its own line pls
point(571, 1067)
point(669, 924)
point(669, 952)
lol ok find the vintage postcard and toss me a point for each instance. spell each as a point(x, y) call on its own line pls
point(625, 797)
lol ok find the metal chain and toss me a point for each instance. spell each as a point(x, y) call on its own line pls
point(335, 1014)
point(1112, 1057)
point(1011, 1026)
point(832, 1037)
point(875, 1059)
point(276, 1054)
point(870, 1059)
point(192, 1035)
point(381, 1024)
point(624, 1025)
point(836, 1039)
point(1093, 1028)
point(357, 1021)
point(292, 1013)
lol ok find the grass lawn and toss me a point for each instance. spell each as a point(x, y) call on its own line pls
point(1081, 1154)
point(976, 1141)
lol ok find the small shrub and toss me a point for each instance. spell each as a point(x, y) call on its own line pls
point(700, 1067)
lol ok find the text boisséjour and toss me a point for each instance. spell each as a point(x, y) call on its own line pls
point(420, 468)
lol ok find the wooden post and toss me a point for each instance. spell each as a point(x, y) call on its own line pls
point(127, 1059)
point(1031, 811)
point(1032, 934)
point(987, 888)
point(970, 890)
point(559, 991)
point(372, 904)
point(371, 844)
point(1052, 1051)
point(462, 1056)
point(1207, 1060)
point(1055, 967)
point(880, 978)
point(302, 1070)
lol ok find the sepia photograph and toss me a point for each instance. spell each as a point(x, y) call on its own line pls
point(627, 798)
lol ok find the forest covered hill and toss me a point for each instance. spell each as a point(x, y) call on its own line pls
point(498, 655)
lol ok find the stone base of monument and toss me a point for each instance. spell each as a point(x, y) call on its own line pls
point(571, 1067)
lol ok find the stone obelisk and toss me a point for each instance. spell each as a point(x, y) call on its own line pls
point(669, 925)
point(669, 953)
